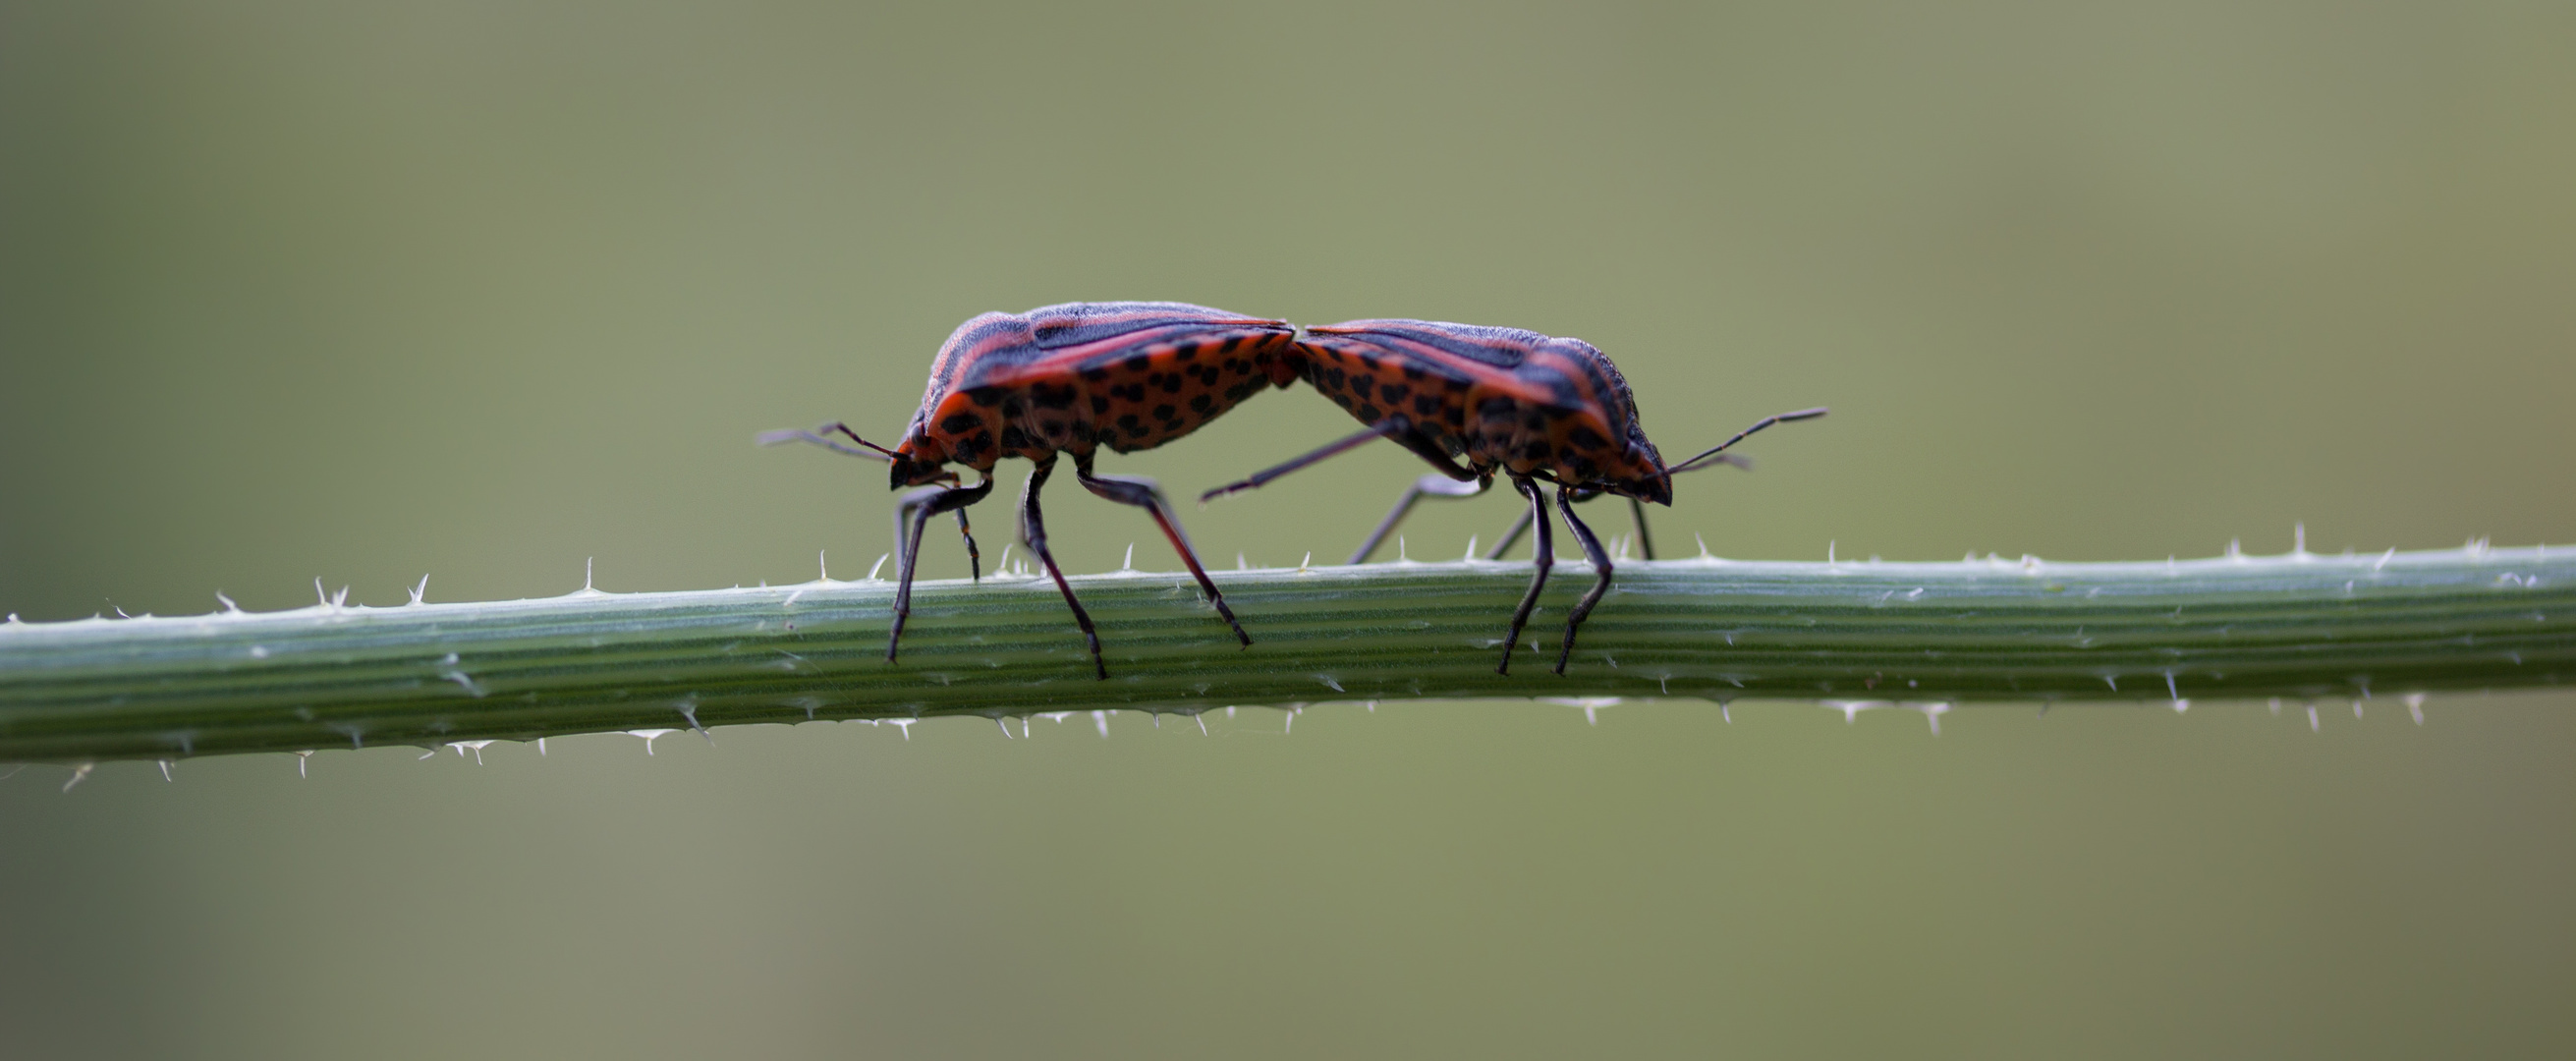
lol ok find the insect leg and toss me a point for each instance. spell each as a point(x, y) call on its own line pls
point(1397, 428)
point(1437, 484)
point(974, 556)
point(920, 505)
point(1592, 551)
point(1267, 474)
point(1519, 527)
point(1142, 493)
point(1033, 532)
point(1645, 541)
point(1544, 557)
point(1521, 524)
point(904, 505)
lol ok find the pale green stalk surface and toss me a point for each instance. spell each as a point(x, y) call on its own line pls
point(1927, 635)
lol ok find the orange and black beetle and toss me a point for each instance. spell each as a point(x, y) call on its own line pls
point(1069, 378)
point(1534, 408)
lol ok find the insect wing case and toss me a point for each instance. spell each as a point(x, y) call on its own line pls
point(1501, 397)
point(1131, 375)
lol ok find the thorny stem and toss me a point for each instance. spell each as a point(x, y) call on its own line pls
point(1929, 634)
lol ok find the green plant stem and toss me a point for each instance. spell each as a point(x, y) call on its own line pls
point(2299, 626)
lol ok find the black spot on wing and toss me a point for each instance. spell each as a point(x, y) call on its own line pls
point(1052, 395)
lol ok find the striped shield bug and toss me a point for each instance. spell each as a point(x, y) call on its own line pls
point(1066, 379)
point(1532, 408)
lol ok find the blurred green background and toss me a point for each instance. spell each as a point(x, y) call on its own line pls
point(481, 290)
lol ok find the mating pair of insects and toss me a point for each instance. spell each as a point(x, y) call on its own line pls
point(1475, 402)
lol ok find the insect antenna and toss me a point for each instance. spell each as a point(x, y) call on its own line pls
point(1735, 460)
point(816, 436)
point(1711, 455)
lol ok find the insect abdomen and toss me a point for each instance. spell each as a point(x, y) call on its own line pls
point(1141, 399)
